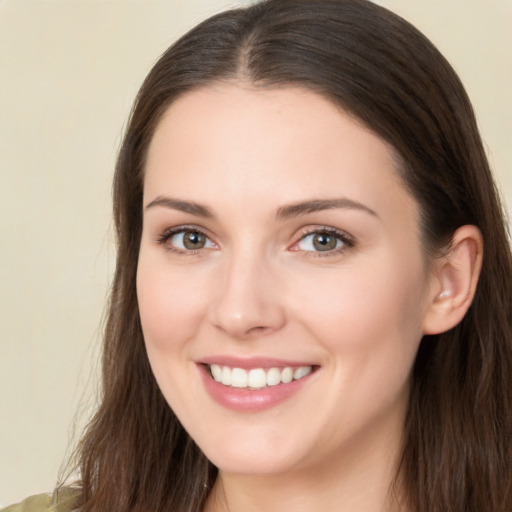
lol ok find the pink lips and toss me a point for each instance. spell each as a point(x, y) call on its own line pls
point(250, 400)
point(253, 362)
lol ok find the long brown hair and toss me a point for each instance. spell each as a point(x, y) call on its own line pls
point(457, 453)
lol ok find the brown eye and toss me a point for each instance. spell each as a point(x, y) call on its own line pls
point(186, 240)
point(192, 240)
point(324, 242)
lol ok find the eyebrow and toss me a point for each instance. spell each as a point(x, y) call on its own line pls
point(182, 206)
point(283, 213)
point(317, 205)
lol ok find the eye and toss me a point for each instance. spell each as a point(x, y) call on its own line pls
point(325, 240)
point(185, 239)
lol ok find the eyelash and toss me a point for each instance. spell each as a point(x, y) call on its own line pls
point(346, 240)
point(169, 233)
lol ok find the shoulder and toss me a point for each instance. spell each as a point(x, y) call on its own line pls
point(64, 499)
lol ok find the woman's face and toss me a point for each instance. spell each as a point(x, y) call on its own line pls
point(280, 253)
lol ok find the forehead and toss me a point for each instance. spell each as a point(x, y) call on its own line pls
point(232, 142)
point(223, 110)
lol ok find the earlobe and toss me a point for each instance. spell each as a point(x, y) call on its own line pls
point(454, 281)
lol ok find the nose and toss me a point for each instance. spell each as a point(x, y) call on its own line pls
point(248, 302)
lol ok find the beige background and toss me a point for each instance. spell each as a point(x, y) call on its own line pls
point(68, 73)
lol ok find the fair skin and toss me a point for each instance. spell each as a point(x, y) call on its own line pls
point(277, 234)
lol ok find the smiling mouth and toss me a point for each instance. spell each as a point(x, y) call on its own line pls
point(257, 378)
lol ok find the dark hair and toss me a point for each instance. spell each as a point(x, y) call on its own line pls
point(457, 452)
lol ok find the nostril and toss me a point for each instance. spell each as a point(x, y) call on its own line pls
point(258, 330)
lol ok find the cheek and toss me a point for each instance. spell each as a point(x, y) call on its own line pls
point(370, 329)
point(372, 314)
point(170, 305)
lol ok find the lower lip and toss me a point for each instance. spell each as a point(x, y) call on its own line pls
point(250, 400)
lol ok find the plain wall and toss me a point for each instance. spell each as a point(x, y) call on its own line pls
point(69, 71)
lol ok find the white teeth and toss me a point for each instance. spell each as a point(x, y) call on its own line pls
point(257, 378)
point(216, 372)
point(238, 378)
point(273, 377)
point(286, 375)
point(302, 372)
point(226, 376)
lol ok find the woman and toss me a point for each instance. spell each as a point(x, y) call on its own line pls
point(311, 308)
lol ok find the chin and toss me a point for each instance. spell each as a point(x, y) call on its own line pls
point(251, 457)
point(251, 465)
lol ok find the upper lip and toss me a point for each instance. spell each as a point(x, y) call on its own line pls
point(253, 362)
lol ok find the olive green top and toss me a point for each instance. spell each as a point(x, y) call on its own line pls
point(63, 500)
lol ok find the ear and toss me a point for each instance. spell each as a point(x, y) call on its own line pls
point(454, 281)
